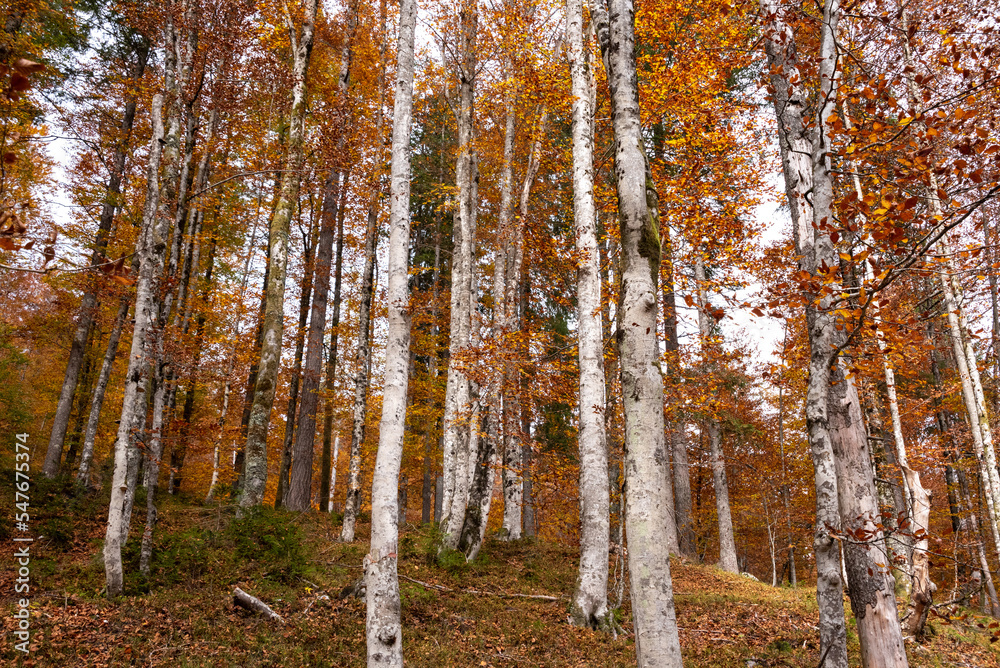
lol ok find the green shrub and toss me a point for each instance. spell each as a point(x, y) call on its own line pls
point(271, 538)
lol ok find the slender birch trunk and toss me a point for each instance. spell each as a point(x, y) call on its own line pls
point(516, 453)
point(727, 540)
point(384, 630)
point(255, 472)
point(923, 587)
point(100, 388)
point(646, 509)
point(218, 441)
point(457, 408)
point(590, 599)
point(88, 304)
point(795, 142)
point(153, 459)
point(300, 485)
point(150, 249)
point(333, 475)
point(352, 503)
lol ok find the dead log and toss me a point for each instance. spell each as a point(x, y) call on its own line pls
point(254, 604)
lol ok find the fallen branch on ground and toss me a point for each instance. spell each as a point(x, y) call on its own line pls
point(254, 604)
point(539, 597)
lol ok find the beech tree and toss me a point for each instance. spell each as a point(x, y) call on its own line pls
point(384, 632)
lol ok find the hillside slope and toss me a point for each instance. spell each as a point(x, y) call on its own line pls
point(454, 614)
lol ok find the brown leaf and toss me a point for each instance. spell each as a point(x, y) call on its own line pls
point(7, 243)
point(19, 83)
point(26, 67)
point(9, 158)
point(48, 254)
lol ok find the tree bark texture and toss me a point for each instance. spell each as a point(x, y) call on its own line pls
point(646, 458)
point(305, 299)
point(150, 249)
point(833, 405)
point(795, 142)
point(457, 426)
point(300, 485)
point(589, 606)
point(383, 626)
point(255, 466)
point(352, 504)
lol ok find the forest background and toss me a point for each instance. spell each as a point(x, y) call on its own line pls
point(239, 155)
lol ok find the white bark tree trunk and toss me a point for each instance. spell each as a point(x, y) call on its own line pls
point(923, 588)
point(590, 599)
point(727, 541)
point(352, 502)
point(790, 102)
point(516, 460)
point(333, 472)
point(227, 388)
point(151, 249)
point(457, 427)
point(255, 461)
point(384, 631)
point(833, 404)
point(646, 509)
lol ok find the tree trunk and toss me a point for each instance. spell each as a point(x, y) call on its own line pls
point(88, 304)
point(516, 481)
point(590, 599)
point(646, 476)
point(97, 399)
point(352, 503)
point(331, 362)
point(681, 469)
point(384, 630)
point(218, 441)
point(795, 143)
point(727, 540)
point(300, 485)
point(255, 472)
point(293, 386)
point(480, 490)
point(923, 588)
point(457, 428)
point(833, 406)
point(152, 475)
point(150, 249)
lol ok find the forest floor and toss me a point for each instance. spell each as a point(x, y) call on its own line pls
point(454, 614)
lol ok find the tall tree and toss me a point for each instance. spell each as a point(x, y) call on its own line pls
point(795, 143)
point(88, 304)
point(646, 508)
point(384, 629)
point(590, 600)
point(150, 249)
point(255, 472)
point(457, 426)
point(300, 489)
